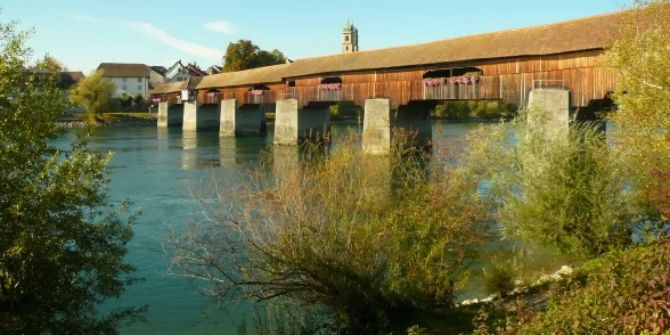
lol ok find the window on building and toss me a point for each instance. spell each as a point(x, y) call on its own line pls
point(124, 79)
point(346, 38)
point(123, 87)
point(139, 80)
point(139, 87)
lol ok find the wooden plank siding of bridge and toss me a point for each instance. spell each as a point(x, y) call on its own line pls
point(510, 80)
point(569, 55)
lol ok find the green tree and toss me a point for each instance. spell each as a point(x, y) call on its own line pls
point(61, 244)
point(52, 64)
point(94, 93)
point(244, 55)
point(642, 122)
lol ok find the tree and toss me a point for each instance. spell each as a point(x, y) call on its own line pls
point(62, 245)
point(642, 122)
point(52, 64)
point(245, 55)
point(94, 93)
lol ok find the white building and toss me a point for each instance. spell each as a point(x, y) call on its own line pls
point(129, 79)
point(180, 72)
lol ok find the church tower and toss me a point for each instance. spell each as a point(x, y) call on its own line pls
point(349, 38)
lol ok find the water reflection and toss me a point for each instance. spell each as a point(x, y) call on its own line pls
point(163, 135)
point(189, 144)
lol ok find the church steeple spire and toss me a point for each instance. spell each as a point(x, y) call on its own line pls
point(349, 37)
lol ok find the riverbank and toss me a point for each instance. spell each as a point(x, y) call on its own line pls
point(107, 119)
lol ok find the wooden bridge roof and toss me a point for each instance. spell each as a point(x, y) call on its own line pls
point(591, 33)
point(261, 75)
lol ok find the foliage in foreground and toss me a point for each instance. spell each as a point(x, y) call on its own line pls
point(61, 244)
point(570, 192)
point(368, 239)
point(642, 123)
point(621, 292)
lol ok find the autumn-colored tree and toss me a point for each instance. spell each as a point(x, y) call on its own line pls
point(94, 93)
point(643, 96)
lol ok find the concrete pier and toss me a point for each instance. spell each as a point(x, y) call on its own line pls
point(377, 127)
point(381, 125)
point(200, 117)
point(293, 125)
point(240, 121)
point(169, 115)
point(550, 109)
point(190, 116)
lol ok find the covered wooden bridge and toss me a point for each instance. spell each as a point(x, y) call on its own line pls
point(505, 65)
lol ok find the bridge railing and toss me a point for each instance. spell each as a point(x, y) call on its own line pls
point(321, 93)
point(290, 93)
point(211, 98)
point(549, 83)
point(259, 97)
point(451, 90)
point(173, 99)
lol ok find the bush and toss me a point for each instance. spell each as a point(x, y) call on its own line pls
point(499, 278)
point(570, 193)
point(126, 101)
point(366, 238)
point(345, 110)
point(458, 110)
point(624, 292)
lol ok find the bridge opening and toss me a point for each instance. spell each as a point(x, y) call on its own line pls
point(291, 92)
point(452, 84)
point(212, 96)
point(257, 94)
point(330, 89)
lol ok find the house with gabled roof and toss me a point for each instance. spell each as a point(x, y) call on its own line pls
point(129, 79)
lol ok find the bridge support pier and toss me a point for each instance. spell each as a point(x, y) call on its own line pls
point(169, 115)
point(240, 121)
point(550, 110)
point(377, 126)
point(381, 126)
point(293, 125)
point(199, 117)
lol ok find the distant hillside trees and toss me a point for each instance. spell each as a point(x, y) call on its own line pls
point(243, 55)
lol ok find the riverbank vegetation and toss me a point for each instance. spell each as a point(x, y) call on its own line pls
point(380, 245)
point(62, 244)
point(367, 240)
point(475, 110)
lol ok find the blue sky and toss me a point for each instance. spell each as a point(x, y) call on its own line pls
point(83, 33)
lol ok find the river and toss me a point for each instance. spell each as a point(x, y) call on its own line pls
point(162, 171)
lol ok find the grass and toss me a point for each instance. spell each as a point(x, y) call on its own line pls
point(119, 117)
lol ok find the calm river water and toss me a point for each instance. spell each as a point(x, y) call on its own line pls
point(162, 172)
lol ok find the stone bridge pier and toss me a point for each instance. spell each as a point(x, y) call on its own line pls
point(241, 120)
point(382, 125)
point(294, 125)
point(170, 115)
point(549, 109)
